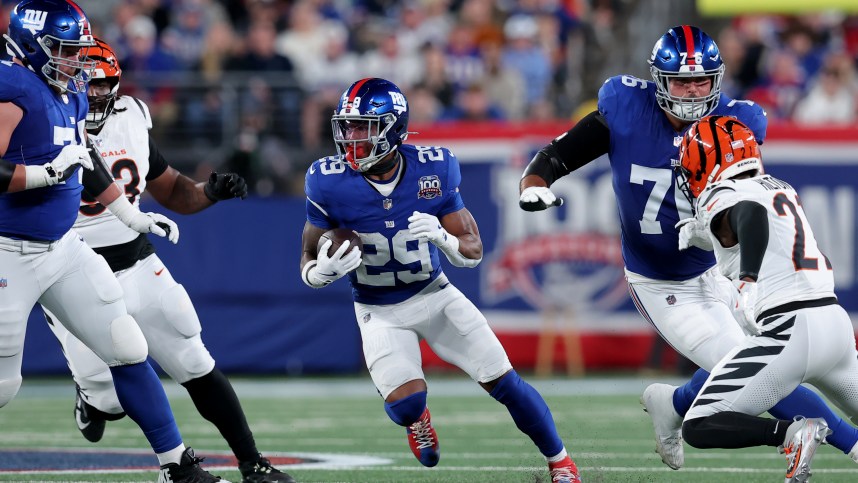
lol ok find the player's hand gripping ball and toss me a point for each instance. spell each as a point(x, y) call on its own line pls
point(338, 236)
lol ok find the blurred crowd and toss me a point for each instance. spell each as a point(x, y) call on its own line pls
point(252, 83)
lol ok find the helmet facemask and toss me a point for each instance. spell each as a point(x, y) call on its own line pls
point(362, 139)
point(101, 106)
point(688, 109)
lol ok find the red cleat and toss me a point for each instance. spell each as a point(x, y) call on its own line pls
point(424, 441)
point(564, 471)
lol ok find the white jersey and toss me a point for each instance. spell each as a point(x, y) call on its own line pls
point(793, 268)
point(124, 145)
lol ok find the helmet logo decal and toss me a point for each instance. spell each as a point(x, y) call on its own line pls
point(34, 20)
point(400, 105)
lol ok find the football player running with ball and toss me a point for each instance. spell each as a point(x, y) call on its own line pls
point(42, 114)
point(119, 128)
point(764, 244)
point(639, 125)
point(404, 202)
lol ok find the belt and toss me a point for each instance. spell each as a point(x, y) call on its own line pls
point(27, 246)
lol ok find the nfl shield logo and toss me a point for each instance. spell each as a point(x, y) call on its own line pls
point(3, 283)
point(671, 299)
point(387, 203)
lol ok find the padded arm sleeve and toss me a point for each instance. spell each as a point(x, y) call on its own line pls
point(749, 221)
point(586, 141)
point(97, 180)
point(7, 169)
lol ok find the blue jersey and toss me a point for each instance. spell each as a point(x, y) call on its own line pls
point(643, 148)
point(51, 121)
point(395, 264)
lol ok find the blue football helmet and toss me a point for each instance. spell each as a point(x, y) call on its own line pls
point(48, 35)
point(686, 51)
point(370, 122)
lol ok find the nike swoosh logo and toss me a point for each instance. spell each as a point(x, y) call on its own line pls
point(328, 274)
point(159, 272)
point(444, 285)
point(711, 205)
point(78, 416)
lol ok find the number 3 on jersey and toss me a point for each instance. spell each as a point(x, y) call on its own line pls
point(122, 170)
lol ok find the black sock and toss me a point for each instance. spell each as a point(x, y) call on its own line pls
point(216, 401)
point(732, 429)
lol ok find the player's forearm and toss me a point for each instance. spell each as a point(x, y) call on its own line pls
point(470, 246)
point(187, 196)
point(586, 141)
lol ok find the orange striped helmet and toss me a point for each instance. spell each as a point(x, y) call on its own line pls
point(106, 67)
point(716, 148)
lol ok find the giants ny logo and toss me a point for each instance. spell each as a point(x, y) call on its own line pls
point(34, 20)
point(400, 105)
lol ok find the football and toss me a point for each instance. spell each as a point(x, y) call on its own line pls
point(338, 236)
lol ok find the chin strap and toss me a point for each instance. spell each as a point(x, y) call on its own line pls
point(383, 166)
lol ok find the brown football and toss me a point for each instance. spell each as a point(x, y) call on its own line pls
point(338, 236)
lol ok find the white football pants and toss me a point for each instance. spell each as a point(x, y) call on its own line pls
point(814, 345)
point(72, 281)
point(450, 323)
point(693, 316)
point(168, 320)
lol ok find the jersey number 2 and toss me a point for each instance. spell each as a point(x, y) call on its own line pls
point(781, 204)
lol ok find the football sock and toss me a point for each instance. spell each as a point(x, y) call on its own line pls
point(684, 395)
point(407, 410)
point(172, 456)
point(142, 397)
point(216, 401)
point(804, 402)
point(529, 411)
point(730, 429)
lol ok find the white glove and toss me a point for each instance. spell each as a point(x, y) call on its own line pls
point(424, 226)
point(154, 223)
point(536, 198)
point(326, 269)
point(692, 234)
point(746, 303)
point(51, 173)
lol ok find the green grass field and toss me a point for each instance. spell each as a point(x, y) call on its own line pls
point(601, 421)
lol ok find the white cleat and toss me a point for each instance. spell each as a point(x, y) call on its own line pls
point(657, 400)
point(802, 438)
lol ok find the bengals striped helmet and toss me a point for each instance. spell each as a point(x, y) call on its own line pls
point(716, 148)
point(107, 68)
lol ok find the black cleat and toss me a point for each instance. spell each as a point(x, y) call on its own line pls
point(261, 471)
point(86, 417)
point(187, 471)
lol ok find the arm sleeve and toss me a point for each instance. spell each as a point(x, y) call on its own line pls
point(157, 163)
point(96, 180)
point(749, 221)
point(7, 169)
point(586, 141)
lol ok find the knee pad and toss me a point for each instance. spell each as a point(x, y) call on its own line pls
point(407, 411)
point(179, 311)
point(191, 362)
point(8, 389)
point(12, 329)
point(129, 344)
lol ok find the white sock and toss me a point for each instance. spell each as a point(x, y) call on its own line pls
point(559, 457)
point(853, 453)
point(172, 456)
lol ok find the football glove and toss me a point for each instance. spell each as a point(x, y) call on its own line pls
point(746, 303)
point(327, 269)
point(692, 234)
point(424, 226)
point(154, 223)
point(538, 198)
point(224, 186)
point(59, 169)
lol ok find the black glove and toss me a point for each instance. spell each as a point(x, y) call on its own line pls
point(225, 186)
